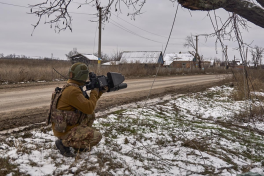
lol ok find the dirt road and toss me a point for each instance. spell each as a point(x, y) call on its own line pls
point(22, 106)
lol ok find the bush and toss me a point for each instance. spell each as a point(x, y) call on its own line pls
point(245, 85)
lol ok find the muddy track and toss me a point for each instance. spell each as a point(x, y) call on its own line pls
point(18, 118)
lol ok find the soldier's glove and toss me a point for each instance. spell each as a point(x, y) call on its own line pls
point(95, 90)
point(105, 89)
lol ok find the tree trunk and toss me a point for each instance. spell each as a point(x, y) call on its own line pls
point(245, 9)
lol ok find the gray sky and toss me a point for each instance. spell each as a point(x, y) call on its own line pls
point(157, 17)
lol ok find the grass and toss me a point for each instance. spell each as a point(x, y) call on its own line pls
point(7, 167)
point(32, 70)
point(244, 85)
point(172, 134)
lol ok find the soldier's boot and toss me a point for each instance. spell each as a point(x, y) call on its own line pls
point(65, 151)
point(81, 149)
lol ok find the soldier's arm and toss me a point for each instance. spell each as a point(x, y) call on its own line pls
point(78, 101)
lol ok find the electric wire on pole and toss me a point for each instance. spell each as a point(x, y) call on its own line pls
point(196, 45)
point(99, 40)
point(226, 57)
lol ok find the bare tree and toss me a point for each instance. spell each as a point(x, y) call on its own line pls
point(57, 14)
point(11, 56)
point(254, 59)
point(116, 56)
point(189, 43)
point(104, 56)
point(257, 53)
point(72, 52)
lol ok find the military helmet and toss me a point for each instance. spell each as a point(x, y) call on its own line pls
point(79, 72)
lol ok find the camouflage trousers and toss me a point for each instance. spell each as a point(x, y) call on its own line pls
point(83, 135)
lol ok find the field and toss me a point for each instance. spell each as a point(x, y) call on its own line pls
point(36, 70)
point(31, 70)
point(204, 133)
point(218, 131)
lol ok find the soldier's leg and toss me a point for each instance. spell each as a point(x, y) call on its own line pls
point(89, 120)
point(81, 136)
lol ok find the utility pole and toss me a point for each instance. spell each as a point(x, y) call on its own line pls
point(196, 44)
point(260, 62)
point(99, 38)
point(226, 58)
point(246, 56)
point(197, 58)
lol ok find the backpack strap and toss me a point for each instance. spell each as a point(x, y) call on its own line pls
point(55, 97)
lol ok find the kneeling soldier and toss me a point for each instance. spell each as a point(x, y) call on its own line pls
point(72, 115)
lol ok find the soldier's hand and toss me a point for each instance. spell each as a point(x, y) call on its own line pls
point(95, 90)
point(105, 89)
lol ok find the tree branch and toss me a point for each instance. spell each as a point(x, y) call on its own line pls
point(261, 2)
point(57, 10)
point(245, 9)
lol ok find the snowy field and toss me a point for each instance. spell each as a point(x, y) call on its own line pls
point(204, 133)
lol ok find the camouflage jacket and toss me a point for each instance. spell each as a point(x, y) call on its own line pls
point(60, 118)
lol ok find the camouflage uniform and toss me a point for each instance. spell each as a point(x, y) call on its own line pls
point(83, 135)
point(72, 116)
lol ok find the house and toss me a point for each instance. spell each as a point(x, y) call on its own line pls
point(183, 60)
point(111, 63)
point(235, 62)
point(209, 62)
point(176, 60)
point(215, 63)
point(88, 59)
point(142, 57)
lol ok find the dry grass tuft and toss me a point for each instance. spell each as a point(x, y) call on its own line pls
point(244, 86)
point(32, 70)
point(245, 89)
point(24, 70)
point(8, 168)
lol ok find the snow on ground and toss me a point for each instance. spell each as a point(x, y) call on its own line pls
point(193, 134)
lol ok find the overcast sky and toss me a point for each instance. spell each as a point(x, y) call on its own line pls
point(149, 32)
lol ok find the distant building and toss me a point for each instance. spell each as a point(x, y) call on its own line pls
point(235, 62)
point(111, 63)
point(176, 60)
point(88, 59)
point(183, 60)
point(142, 57)
point(215, 63)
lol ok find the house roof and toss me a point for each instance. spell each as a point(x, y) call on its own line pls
point(81, 56)
point(111, 63)
point(140, 57)
point(169, 58)
point(90, 56)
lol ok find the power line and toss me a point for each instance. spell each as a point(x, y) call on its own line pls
point(82, 13)
point(116, 24)
point(145, 30)
point(110, 19)
point(81, 3)
point(95, 37)
point(15, 5)
point(129, 31)
point(95, 14)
